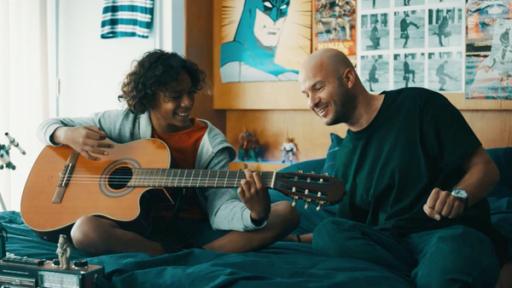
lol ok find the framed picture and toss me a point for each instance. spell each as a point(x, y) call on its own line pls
point(259, 46)
point(334, 25)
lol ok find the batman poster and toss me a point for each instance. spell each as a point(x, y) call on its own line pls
point(264, 40)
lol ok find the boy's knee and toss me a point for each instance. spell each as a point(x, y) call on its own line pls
point(285, 217)
point(86, 234)
point(287, 212)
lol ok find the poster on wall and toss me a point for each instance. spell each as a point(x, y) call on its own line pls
point(335, 25)
point(408, 69)
point(409, 29)
point(262, 40)
point(488, 50)
point(445, 71)
point(420, 42)
point(374, 32)
point(374, 72)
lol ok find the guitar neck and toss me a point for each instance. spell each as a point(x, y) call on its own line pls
point(196, 178)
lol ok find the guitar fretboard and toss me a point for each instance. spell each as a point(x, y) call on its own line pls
point(185, 178)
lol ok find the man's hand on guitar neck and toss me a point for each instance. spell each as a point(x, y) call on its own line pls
point(89, 141)
point(255, 196)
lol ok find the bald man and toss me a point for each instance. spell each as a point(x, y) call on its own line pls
point(415, 176)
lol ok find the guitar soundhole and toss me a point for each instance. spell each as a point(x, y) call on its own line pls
point(120, 177)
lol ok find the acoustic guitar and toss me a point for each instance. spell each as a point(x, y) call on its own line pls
point(64, 186)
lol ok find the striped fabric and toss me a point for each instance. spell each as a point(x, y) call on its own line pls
point(127, 18)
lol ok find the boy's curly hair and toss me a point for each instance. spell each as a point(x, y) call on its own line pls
point(156, 71)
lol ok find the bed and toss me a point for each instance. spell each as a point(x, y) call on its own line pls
point(283, 264)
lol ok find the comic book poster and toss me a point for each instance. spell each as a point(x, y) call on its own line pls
point(335, 25)
point(264, 40)
point(488, 49)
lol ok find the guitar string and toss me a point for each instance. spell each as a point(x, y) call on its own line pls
point(169, 177)
point(129, 179)
point(229, 184)
point(122, 179)
point(220, 174)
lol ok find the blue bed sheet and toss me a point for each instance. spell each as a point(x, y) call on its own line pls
point(283, 264)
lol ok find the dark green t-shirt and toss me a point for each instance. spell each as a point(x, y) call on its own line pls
point(417, 141)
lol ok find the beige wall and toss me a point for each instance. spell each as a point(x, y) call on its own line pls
point(198, 48)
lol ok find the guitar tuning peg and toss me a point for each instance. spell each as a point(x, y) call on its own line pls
point(294, 201)
point(306, 192)
point(326, 174)
point(300, 171)
point(306, 205)
point(319, 194)
point(319, 207)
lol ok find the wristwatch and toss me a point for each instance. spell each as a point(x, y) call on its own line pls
point(462, 195)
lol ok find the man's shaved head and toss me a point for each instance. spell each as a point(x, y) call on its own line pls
point(329, 58)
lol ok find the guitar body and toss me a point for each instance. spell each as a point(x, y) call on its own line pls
point(90, 190)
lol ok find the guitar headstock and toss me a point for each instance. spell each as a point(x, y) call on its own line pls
point(312, 188)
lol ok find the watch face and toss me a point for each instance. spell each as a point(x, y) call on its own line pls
point(459, 193)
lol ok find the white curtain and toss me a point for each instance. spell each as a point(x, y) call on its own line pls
point(23, 88)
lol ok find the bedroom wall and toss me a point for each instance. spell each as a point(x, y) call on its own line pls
point(198, 47)
point(491, 121)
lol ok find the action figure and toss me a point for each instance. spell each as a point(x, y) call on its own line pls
point(63, 252)
point(249, 148)
point(5, 160)
point(288, 151)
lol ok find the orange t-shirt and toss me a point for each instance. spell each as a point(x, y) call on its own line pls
point(184, 146)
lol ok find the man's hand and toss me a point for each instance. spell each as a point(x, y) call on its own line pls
point(254, 195)
point(441, 203)
point(89, 141)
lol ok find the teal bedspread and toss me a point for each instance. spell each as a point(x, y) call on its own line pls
point(283, 264)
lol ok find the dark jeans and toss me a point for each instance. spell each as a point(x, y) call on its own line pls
point(456, 256)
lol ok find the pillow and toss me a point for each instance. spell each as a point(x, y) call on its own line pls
point(500, 198)
point(330, 158)
point(503, 159)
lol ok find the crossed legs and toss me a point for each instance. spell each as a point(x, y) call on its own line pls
point(97, 235)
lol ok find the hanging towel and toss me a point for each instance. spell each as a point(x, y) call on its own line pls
point(127, 18)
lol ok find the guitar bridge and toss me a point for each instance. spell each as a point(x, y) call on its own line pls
point(65, 177)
